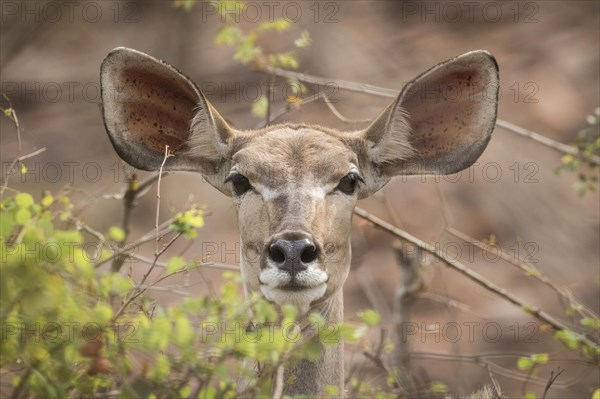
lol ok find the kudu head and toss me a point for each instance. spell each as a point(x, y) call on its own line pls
point(295, 186)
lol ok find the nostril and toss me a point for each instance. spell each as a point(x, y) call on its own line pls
point(276, 254)
point(309, 254)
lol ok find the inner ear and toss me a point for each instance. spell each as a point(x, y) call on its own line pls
point(441, 122)
point(451, 115)
point(147, 104)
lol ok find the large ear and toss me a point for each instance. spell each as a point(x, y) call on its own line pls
point(148, 104)
point(440, 123)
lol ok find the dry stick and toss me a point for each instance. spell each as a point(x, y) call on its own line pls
point(553, 377)
point(269, 100)
point(527, 268)
point(384, 92)
point(483, 359)
point(131, 194)
point(278, 392)
point(338, 114)
point(158, 195)
point(545, 140)
point(474, 276)
point(158, 252)
point(411, 283)
point(19, 159)
point(211, 265)
point(129, 197)
point(145, 277)
point(13, 117)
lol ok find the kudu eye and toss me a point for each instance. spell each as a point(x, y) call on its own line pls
point(240, 183)
point(348, 183)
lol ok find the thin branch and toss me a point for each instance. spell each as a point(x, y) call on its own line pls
point(472, 275)
point(167, 155)
point(15, 119)
point(12, 165)
point(390, 93)
point(341, 117)
point(409, 286)
point(278, 392)
point(129, 202)
point(269, 100)
point(144, 278)
point(326, 82)
point(545, 140)
point(211, 265)
point(553, 377)
point(527, 268)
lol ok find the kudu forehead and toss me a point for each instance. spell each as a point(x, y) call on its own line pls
point(290, 158)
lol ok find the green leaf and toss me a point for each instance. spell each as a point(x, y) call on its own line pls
point(24, 200)
point(117, 234)
point(570, 338)
point(529, 395)
point(369, 317)
point(184, 333)
point(187, 5)
point(208, 393)
point(102, 313)
point(47, 200)
point(524, 363)
point(596, 394)
point(590, 322)
point(22, 216)
point(259, 108)
point(161, 368)
point(279, 25)
point(228, 35)
point(331, 390)
point(175, 263)
point(304, 40)
point(540, 358)
point(438, 387)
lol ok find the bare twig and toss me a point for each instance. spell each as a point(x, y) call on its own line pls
point(341, 117)
point(407, 289)
point(129, 202)
point(269, 100)
point(390, 93)
point(210, 265)
point(567, 149)
point(12, 165)
point(12, 115)
point(373, 293)
point(527, 268)
point(139, 291)
point(278, 391)
point(167, 155)
point(472, 275)
point(553, 377)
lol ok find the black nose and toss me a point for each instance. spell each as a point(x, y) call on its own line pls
point(293, 256)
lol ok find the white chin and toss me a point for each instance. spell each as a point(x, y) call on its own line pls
point(301, 298)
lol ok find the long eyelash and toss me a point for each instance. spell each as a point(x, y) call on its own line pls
point(229, 177)
point(359, 178)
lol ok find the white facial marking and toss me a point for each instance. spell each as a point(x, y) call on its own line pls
point(313, 279)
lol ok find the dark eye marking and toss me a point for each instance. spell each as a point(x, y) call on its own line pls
point(348, 183)
point(240, 183)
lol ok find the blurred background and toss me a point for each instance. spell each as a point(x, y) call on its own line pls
point(548, 53)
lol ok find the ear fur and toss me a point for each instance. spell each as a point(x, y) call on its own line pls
point(147, 104)
point(440, 123)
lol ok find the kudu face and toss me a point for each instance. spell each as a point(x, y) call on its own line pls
point(295, 186)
